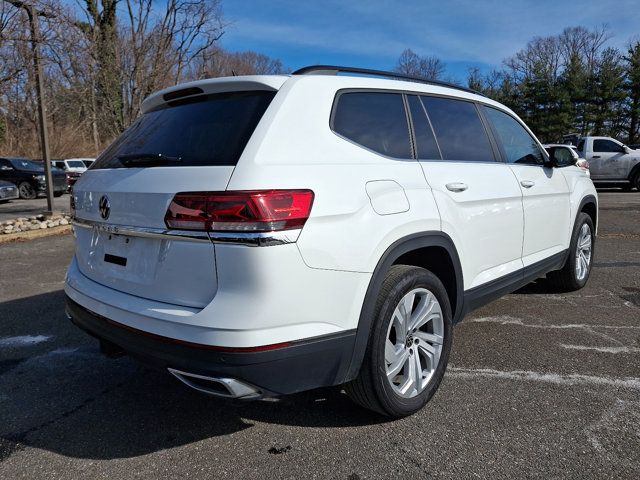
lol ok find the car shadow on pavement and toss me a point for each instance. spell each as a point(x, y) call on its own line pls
point(63, 396)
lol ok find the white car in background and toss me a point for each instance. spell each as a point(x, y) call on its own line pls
point(565, 153)
point(73, 168)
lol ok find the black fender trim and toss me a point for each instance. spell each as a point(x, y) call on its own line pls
point(587, 199)
point(395, 251)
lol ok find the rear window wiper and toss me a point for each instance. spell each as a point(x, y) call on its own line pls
point(147, 159)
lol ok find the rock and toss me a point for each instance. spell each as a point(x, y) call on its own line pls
point(34, 227)
point(23, 219)
point(64, 221)
point(40, 217)
point(9, 222)
point(43, 226)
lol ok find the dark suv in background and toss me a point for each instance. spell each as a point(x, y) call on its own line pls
point(28, 176)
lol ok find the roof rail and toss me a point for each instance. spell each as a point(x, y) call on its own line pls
point(334, 70)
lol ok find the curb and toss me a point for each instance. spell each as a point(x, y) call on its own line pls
point(33, 234)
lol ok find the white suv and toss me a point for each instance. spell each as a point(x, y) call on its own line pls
point(264, 235)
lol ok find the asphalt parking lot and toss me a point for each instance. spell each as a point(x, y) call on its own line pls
point(28, 208)
point(539, 385)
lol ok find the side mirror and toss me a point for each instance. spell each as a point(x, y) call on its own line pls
point(626, 149)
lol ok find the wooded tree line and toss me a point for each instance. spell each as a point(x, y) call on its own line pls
point(567, 83)
point(101, 59)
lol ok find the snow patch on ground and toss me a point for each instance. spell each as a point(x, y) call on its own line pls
point(23, 340)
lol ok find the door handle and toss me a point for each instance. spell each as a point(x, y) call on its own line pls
point(456, 187)
point(596, 156)
point(527, 183)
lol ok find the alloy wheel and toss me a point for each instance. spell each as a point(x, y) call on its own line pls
point(414, 342)
point(583, 252)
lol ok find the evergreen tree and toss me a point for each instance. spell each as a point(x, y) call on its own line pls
point(632, 87)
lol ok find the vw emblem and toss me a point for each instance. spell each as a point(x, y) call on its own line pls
point(104, 207)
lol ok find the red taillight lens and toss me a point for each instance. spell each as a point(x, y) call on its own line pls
point(247, 211)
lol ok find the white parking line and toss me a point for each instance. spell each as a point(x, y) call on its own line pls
point(23, 340)
point(602, 349)
point(507, 320)
point(556, 378)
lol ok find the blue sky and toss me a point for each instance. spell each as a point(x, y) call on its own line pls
point(463, 33)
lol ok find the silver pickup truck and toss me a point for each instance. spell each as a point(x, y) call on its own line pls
point(611, 161)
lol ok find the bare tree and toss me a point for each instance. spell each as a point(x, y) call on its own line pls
point(412, 64)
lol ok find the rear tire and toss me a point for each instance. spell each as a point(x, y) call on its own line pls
point(26, 190)
point(576, 271)
point(401, 371)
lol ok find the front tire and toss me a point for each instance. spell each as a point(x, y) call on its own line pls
point(27, 192)
point(409, 344)
point(576, 271)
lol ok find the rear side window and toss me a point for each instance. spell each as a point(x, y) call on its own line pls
point(606, 146)
point(426, 146)
point(374, 120)
point(519, 146)
point(459, 130)
point(212, 130)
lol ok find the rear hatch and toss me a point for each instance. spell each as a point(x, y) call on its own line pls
point(184, 145)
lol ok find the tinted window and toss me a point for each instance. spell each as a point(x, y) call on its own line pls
point(211, 131)
point(581, 145)
point(75, 164)
point(459, 130)
point(562, 155)
point(29, 165)
point(606, 146)
point(518, 145)
point(374, 120)
point(425, 141)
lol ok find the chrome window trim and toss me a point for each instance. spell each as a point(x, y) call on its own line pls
point(254, 239)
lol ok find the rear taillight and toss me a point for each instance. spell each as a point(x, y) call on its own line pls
point(244, 211)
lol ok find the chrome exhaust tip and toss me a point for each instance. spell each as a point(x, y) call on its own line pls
point(217, 386)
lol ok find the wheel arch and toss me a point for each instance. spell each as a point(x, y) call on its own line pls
point(589, 205)
point(634, 171)
point(432, 250)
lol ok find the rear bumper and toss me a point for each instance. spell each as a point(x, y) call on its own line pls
point(301, 365)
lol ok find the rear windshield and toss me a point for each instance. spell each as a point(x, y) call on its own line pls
point(212, 130)
point(75, 164)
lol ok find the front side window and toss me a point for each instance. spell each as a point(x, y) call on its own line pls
point(519, 146)
point(459, 130)
point(374, 120)
point(606, 146)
